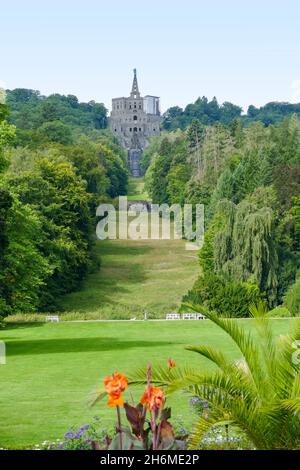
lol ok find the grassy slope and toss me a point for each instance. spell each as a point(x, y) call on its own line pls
point(136, 190)
point(135, 275)
point(52, 368)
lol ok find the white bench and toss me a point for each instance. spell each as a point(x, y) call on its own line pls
point(52, 318)
point(189, 316)
point(193, 316)
point(173, 316)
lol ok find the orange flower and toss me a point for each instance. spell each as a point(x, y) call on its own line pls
point(171, 363)
point(156, 399)
point(116, 383)
point(115, 400)
point(114, 386)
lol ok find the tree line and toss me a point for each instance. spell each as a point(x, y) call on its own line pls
point(248, 178)
point(56, 165)
point(211, 112)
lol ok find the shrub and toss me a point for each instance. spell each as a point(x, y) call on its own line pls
point(280, 312)
point(227, 297)
point(292, 298)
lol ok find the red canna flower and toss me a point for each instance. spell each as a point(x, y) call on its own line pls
point(171, 363)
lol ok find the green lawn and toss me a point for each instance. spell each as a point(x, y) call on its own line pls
point(52, 369)
point(136, 190)
point(135, 276)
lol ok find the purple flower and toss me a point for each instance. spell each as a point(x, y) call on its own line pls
point(70, 435)
point(194, 401)
point(182, 431)
point(205, 404)
point(82, 430)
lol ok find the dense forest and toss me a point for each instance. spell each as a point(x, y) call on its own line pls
point(57, 163)
point(211, 112)
point(248, 178)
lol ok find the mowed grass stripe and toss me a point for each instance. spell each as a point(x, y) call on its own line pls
point(52, 369)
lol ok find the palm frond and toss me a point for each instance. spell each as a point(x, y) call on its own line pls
point(201, 427)
point(293, 405)
point(260, 394)
point(243, 340)
point(267, 340)
point(214, 355)
point(95, 397)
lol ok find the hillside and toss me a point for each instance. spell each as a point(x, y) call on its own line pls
point(135, 277)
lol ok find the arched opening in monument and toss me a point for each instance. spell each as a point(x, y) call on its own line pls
point(135, 118)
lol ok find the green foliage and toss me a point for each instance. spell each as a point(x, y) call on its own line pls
point(248, 179)
point(26, 267)
point(56, 131)
point(195, 134)
point(4, 112)
point(29, 110)
point(176, 180)
point(7, 136)
point(85, 158)
point(47, 246)
point(51, 186)
point(116, 171)
point(206, 112)
point(206, 254)
point(244, 247)
point(295, 212)
point(140, 434)
point(288, 241)
point(228, 298)
point(51, 183)
point(155, 183)
point(279, 312)
point(148, 152)
point(210, 112)
point(197, 192)
point(259, 393)
point(292, 298)
point(168, 173)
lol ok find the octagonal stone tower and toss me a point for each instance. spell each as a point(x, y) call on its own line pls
point(134, 120)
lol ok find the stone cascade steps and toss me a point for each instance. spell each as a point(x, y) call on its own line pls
point(134, 157)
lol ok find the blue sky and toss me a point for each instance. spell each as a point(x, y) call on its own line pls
point(239, 51)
